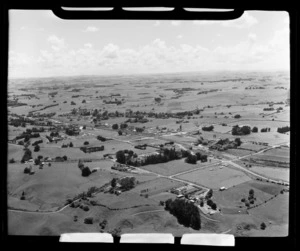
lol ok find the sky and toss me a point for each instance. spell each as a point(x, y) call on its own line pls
point(43, 45)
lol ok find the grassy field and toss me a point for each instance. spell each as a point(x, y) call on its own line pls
point(238, 152)
point(274, 213)
point(280, 152)
point(272, 172)
point(214, 177)
point(267, 157)
point(252, 147)
point(157, 186)
point(231, 198)
point(51, 186)
point(172, 167)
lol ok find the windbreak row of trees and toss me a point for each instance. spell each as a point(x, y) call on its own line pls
point(166, 155)
point(283, 129)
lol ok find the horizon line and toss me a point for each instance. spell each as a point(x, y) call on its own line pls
point(144, 74)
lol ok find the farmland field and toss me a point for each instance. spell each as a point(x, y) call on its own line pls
point(214, 177)
point(272, 172)
point(172, 167)
point(157, 186)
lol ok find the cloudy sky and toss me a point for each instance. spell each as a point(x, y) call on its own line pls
point(43, 45)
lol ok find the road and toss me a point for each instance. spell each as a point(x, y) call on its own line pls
point(250, 172)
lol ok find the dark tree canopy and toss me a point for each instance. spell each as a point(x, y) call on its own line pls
point(186, 212)
point(244, 130)
point(283, 129)
point(86, 171)
point(254, 129)
point(208, 128)
point(121, 158)
point(115, 126)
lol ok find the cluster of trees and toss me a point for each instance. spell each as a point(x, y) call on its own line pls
point(266, 129)
point(63, 158)
point(158, 99)
point(141, 115)
point(208, 128)
point(127, 183)
point(269, 109)
point(237, 116)
point(263, 226)
point(67, 145)
point(212, 204)
point(34, 129)
point(54, 134)
point(27, 135)
point(250, 199)
point(37, 161)
point(28, 169)
point(283, 129)
point(254, 129)
point(124, 156)
point(27, 155)
point(225, 144)
point(115, 126)
point(101, 138)
point(186, 212)
point(71, 131)
point(85, 170)
point(244, 130)
point(139, 129)
point(37, 142)
point(202, 141)
point(140, 119)
point(36, 148)
point(193, 158)
point(103, 224)
point(20, 121)
point(166, 155)
point(209, 194)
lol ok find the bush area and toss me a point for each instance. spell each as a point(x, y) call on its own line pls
point(186, 212)
point(208, 128)
point(244, 130)
point(85, 171)
point(225, 144)
point(283, 129)
point(27, 155)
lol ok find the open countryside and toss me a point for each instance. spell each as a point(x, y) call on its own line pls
point(123, 154)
